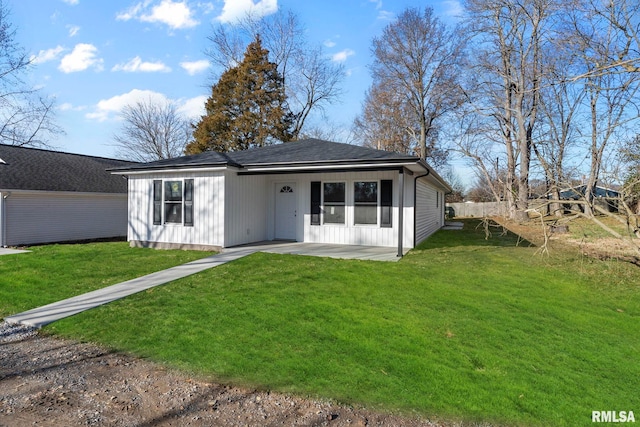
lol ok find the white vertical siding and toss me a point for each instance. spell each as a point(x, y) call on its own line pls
point(208, 210)
point(44, 217)
point(246, 208)
point(348, 233)
point(429, 210)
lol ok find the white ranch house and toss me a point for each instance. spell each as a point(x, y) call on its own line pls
point(307, 191)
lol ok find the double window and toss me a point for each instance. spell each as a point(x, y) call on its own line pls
point(371, 201)
point(173, 202)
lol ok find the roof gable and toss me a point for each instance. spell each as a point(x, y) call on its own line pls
point(44, 170)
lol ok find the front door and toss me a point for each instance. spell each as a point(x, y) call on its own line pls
point(286, 212)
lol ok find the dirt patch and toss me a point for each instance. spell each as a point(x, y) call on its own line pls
point(600, 248)
point(47, 381)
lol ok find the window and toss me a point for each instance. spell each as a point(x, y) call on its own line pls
point(173, 202)
point(334, 201)
point(157, 202)
point(177, 201)
point(188, 202)
point(365, 201)
point(328, 202)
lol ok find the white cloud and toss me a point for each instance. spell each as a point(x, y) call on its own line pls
point(71, 2)
point(137, 65)
point(385, 15)
point(73, 30)
point(47, 55)
point(67, 106)
point(81, 58)
point(329, 43)
point(195, 67)
point(107, 108)
point(177, 15)
point(378, 3)
point(236, 9)
point(192, 108)
point(342, 55)
point(453, 8)
point(132, 12)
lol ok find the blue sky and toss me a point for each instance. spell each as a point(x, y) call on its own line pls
point(95, 57)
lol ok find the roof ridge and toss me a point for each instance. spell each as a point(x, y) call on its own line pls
point(18, 147)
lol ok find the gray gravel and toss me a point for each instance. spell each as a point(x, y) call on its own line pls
point(12, 332)
point(48, 381)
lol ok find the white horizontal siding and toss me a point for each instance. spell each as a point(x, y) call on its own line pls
point(44, 217)
point(429, 210)
point(208, 210)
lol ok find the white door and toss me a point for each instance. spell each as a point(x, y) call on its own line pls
point(286, 211)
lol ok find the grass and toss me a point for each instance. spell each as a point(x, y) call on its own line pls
point(54, 272)
point(462, 328)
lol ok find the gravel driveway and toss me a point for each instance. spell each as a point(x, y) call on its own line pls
point(47, 381)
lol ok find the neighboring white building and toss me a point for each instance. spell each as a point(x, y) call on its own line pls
point(49, 196)
point(307, 191)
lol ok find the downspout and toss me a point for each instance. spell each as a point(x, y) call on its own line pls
point(3, 218)
point(415, 204)
point(400, 211)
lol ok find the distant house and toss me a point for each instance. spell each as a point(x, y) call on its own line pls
point(307, 191)
point(49, 196)
point(605, 197)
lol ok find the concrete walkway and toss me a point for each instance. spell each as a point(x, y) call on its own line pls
point(7, 251)
point(41, 316)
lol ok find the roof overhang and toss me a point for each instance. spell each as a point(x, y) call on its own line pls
point(319, 167)
point(173, 169)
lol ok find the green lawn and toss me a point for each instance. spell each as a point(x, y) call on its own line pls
point(53, 272)
point(462, 328)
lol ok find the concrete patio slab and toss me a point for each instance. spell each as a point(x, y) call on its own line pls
point(453, 225)
point(370, 253)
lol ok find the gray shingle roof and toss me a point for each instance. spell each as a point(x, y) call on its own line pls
point(35, 169)
point(309, 151)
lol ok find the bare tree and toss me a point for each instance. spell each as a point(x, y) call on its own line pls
point(560, 105)
point(384, 121)
point(605, 41)
point(151, 131)
point(509, 45)
point(26, 116)
point(311, 80)
point(418, 59)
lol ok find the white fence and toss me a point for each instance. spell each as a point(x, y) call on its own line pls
point(478, 210)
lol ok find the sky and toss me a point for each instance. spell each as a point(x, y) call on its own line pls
point(95, 57)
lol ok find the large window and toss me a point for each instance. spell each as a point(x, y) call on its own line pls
point(365, 201)
point(334, 202)
point(175, 202)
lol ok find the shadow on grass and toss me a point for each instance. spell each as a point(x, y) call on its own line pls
point(475, 233)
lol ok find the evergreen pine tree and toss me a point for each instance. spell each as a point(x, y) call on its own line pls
point(247, 107)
